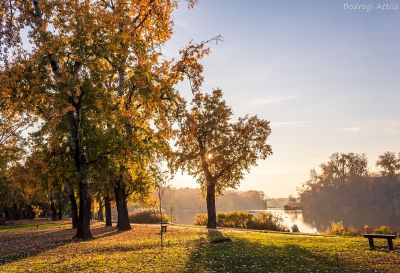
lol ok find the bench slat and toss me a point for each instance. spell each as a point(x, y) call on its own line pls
point(384, 236)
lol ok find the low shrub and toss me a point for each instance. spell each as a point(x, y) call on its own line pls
point(267, 221)
point(338, 229)
point(263, 221)
point(367, 229)
point(147, 217)
point(234, 219)
point(383, 230)
point(200, 219)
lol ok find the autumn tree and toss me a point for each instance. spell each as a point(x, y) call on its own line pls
point(341, 167)
point(215, 149)
point(11, 151)
point(144, 87)
point(95, 76)
point(389, 164)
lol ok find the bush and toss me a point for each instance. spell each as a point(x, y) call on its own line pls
point(338, 229)
point(263, 221)
point(147, 217)
point(267, 221)
point(200, 219)
point(367, 229)
point(234, 219)
point(383, 230)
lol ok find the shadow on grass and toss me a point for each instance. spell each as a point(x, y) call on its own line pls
point(15, 246)
point(243, 255)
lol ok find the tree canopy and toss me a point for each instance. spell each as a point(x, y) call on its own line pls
point(217, 150)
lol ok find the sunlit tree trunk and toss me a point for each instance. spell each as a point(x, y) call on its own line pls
point(210, 195)
point(211, 209)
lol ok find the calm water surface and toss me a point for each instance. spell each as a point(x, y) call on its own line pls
point(290, 218)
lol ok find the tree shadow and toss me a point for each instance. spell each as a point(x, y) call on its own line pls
point(15, 246)
point(243, 255)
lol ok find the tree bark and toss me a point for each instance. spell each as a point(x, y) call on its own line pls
point(107, 205)
point(73, 205)
point(85, 198)
point(74, 209)
point(7, 215)
point(2, 216)
point(210, 197)
point(211, 209)
point(85, 204)
point(60, 213)
point(53, 210)
point(122, 208)
point(29, 212)
point(16, 212)
point(101, 205)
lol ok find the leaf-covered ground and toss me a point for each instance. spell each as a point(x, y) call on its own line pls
point(47, 247)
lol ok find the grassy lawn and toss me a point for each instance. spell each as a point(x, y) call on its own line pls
point(33, 225)
point(47, 247)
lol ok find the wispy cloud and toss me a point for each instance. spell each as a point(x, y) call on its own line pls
point(294, 124)
point(273, 100)
point(348, 129)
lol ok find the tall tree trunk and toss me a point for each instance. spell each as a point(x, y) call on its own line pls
point(210, 197)
point(53, 209)
point(211, 209)
point(101, 205)
point(16, 212)
point(73, 204)
point(85, 198)
point(85, 204)
point(107, 205)
point(60, 213)
point(2, 216)
point(120, 194)
point(122, 208)
point(7, 213)
point(29, 212)
point(74, 209)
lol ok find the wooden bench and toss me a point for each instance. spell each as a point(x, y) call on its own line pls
point(380, 236)
point(164, 226)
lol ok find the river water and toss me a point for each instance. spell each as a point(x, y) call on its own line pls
point(290, 218)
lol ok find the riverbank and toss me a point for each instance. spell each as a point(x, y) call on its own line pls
point(49, 248)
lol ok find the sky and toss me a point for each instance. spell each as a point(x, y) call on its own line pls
point(324, 73)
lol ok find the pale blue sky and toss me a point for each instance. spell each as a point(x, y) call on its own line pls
point(326, 78)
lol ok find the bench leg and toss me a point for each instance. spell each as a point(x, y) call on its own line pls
point(371, 243)
point(390, 243)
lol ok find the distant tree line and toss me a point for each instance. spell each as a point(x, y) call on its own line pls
point(192, 199)
point(344, 190)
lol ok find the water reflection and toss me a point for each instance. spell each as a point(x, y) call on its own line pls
point(374, 217)
point(317, 221)
point(290, 218)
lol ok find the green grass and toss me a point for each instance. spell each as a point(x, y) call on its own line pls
point(51, 249)
point(33, 225)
